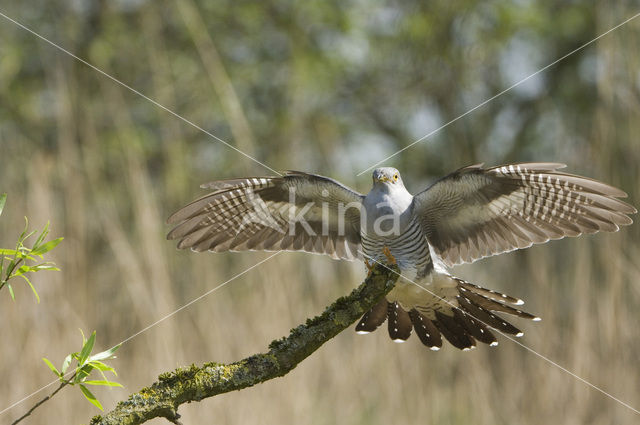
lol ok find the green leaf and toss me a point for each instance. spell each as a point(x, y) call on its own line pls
point(105, 355)
point(90, 397)
point(21, 270)
point(82, 373)
point(102, 367)
point(44, 266)
point(103, 382)
point(11, 266)
point(35, 268)
point(66, 363)
point(18, 253)
point(51, 366)
point(105, 376)
point(86, 349)
point(3, 200)
point(24, 235)
point(26, 225)
point(32, 287)
point(13, 297)
point(46, 247)
point(43, 235)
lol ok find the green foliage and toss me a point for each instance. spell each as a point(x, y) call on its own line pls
point(23, 260)
point(84, 366)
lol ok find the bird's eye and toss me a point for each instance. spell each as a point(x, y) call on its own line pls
point(395, 177)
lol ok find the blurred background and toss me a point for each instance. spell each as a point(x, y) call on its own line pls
point(329, 87)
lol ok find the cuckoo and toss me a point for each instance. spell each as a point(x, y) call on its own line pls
point(470, 214)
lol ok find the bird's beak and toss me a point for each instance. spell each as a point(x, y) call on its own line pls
point(383, 179)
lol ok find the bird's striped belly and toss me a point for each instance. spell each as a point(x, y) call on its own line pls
point(409, 248)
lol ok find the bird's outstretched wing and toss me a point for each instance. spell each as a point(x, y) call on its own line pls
point(273, 214)
point(476, 212)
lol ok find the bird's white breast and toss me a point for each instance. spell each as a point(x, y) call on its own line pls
point(388, 221)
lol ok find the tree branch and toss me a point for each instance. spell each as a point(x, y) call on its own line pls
point(194, 383)
point(35, 406)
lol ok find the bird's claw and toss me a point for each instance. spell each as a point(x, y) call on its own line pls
point(390, 258)
point(369, 267)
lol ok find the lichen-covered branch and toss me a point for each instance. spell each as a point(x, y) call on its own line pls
point(194, 383)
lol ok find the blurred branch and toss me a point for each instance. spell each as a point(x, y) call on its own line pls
point(193, 383)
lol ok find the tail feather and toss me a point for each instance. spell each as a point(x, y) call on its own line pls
point(488, 293)
point(373, 318)
point(492, 305)
point(477, 329)
point(426, 330)
point(399, 323)
point(487, 317)
point(463, 316)
point(454, 331)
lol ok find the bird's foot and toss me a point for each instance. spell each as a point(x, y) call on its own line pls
point(390, 258)
point(369, 266)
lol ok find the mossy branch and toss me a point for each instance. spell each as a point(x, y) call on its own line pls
point(194, 383)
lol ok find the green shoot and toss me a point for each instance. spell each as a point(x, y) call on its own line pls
point(85, 364)
point(22, 260)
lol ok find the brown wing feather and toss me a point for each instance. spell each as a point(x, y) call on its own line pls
point(272, 213)
point(476, 212)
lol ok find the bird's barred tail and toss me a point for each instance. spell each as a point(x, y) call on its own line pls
point(462, 319)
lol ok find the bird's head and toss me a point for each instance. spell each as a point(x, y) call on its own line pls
point(387, 176)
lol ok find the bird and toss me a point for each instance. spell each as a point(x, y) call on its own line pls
point(472, 213)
